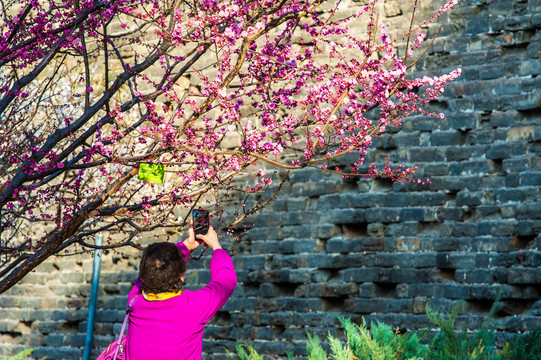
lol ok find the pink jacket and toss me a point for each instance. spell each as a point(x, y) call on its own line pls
point(173, 328)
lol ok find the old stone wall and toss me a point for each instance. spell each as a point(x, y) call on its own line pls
point(366, 248)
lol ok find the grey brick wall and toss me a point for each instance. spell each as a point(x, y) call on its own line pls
point(363, 248)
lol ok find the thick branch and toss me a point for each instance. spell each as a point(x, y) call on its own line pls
point(55, 238)
point(20, 177)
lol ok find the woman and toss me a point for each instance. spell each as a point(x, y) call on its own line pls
point(167, 322)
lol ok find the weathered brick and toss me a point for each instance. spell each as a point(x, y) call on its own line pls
point(330, 290)
point(519, 164)
point(529, 211)
point(521, 275)
point(521, 102)
point(344, 216)
point(445, 138)
point(469, 167)
point(504, 118)
point(382, 215)
point(412, 214)
point(506, 150)
point(497, 228)
point(530, 178)
point(403, 275)
point(474, 276)
point(360, 275)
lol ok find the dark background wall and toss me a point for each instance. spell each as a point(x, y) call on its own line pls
point(364, 248)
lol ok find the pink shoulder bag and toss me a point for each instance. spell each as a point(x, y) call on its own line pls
point(117, 349)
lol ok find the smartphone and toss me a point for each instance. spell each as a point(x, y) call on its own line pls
point(200, 221)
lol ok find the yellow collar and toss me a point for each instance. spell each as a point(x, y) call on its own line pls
point(161, 296)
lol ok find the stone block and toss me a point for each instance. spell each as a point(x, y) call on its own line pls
point(326, 261)
point(359, 260)
point(296, 204)
point(510, 196)
point(53, 340)
point(466, 198)
point(298, 246)
point(475, 276)
point(382, 215)
point(505, 150)
point(525, 228)
point(393, 306)
point(504, 118)
point(269, 290)
point(375, 230)
point(449, 213)
point(342, 245)
point(521, 163)
point(397, 276)
point(360, 275)
point(419, 305)
point(295, 276)
point(344, 216)
point(530, 178)
point(331, 290)
point(295, 232)
point(363, 306)
point(477, 25)
point(491, 71)
point(456, 291)
point(431, 170)
point(246, 262)
point(405, 140)
point(469, 167)
point(521, 102)
point(266, 247)
point(445, 138)
point(424, 155)
point(410, 244)
point(462, 122)
point(392, 260)
point(300, 305)
point(445, 244)
point(412, 214)
point(528, 211)
point(517, 22)
point(60, 353)
point(521, 275)
point(497, 228)
point(396, 200)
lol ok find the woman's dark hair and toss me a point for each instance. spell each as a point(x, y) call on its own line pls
point(161, 267)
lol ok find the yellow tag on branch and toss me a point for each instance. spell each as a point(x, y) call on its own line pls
point(151, 172)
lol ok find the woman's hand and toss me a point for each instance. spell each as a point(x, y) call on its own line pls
point(211, 239)
point(191, 242)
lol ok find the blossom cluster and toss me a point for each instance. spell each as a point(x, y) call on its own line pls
point(213, 89)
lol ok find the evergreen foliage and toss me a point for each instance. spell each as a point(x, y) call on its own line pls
point(245, 352)
point(23, 355)
point(524, 347)
point(451, 344)
point(314, 349)
point(381, 342)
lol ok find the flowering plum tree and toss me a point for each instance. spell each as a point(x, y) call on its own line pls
point(209, 89)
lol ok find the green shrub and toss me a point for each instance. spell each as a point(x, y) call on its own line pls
point(22, 355)
point(524, 347)
point(382, 343)
point(247, 352)
point(453, 344)
point(378, 343)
